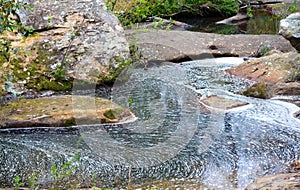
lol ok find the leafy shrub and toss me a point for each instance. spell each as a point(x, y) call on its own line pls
point(9, 20)
point(133, 11)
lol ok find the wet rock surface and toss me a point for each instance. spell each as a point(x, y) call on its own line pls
point(220, 104)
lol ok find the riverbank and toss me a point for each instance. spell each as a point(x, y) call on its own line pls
point(158, 46)
point(196, 52)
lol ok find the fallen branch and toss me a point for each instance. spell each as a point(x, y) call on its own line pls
point(173, 22)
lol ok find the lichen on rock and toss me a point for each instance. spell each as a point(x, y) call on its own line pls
point(72, 40)
point(290, 29)
point(84, 31)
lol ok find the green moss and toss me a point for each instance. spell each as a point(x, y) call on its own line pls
point(37, 74)
point(258, 90)
point(109, 114)
point(115, 70)
point(46, 84)
point(70, 122)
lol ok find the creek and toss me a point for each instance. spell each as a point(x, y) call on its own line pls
point(173, 142)
point(261, 22)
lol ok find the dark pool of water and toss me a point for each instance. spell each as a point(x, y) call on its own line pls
point(261, 23)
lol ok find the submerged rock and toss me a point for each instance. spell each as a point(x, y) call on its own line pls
point(220, 104)
point(235, 20)
point(61, 111)
point(290, 29)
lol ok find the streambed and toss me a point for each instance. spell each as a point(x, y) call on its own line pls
point(173, 137)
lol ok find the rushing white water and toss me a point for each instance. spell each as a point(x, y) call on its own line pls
point(172, 138)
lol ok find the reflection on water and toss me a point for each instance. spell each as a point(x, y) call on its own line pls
point(172, 142)
point(262, 22)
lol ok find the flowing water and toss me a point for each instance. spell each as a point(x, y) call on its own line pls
point(173, 142)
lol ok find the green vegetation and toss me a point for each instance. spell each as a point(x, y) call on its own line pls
point(133, 11)
point(32, 181)
point(8, 23)
point(258, 90)
point(17, 182)
point(23, 68)
point(35, 73)
point(8, 18)
point(292, 8)
point(285, 9)
point(61, 173)
point(121, 64)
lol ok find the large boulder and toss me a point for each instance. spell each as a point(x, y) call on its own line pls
point(290, 29)
point(73, 39)
point(83, 33)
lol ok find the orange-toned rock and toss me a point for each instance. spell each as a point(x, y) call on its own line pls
point(279, 72)
point(271, 69)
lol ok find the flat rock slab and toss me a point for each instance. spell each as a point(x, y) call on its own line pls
point(220, 104)
point(289, 181)
point(59, 111)
point(272, 69)
point(164, 45)
point(279, 71)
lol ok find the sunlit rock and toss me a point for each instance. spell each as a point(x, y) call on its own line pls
point(60, 111)
point(290, 29)
point(83, 36)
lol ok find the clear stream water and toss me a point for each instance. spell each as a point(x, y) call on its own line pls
point(172, 141)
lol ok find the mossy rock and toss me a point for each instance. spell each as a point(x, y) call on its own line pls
point(60, 111)
point(258, 90)
point(33, 66)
